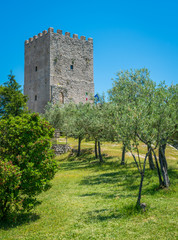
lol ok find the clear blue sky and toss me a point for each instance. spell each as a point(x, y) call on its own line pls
point(127, 34)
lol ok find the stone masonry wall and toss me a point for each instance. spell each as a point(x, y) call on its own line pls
point(61, 148)
point(58, 68)
point(71, 66)
point(37, 71)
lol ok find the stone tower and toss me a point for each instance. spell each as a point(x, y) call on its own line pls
point(58, 68)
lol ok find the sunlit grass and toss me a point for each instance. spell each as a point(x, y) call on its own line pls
point(89, 200)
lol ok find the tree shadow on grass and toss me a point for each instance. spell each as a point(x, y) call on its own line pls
point(84, 161)
point(129, 180)
point(81, 163)
point(173, 174)
point(107, 195)
point(84, 154)
point(110, 214)
point(126, 175)
point(122, 177)
point(88, 161)
point(18, 220)
point(152, 188)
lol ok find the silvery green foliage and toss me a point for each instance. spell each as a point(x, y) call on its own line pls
point(143, 112)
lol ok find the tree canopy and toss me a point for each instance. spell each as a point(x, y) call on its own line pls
point(138, 112)
point(12, 101)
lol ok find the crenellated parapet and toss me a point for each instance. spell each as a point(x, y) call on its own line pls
point(59, 32)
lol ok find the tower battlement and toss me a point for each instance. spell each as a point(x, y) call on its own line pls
point(58, 68)
point(51, 30)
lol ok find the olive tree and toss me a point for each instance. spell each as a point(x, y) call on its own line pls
point(143, 112)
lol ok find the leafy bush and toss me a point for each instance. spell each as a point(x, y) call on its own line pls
point(10, 179)
point(27, 161)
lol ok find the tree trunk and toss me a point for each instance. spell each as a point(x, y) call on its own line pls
point(141, 182)
point(99, 152)
point(150, 158)
point(79, 144)
point(96, 150)
point(123, 155)
point(162, 154)
point(163, 164)
point(140, 190)
point(158, 170)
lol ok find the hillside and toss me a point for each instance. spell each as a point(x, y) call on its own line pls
point(92, 201)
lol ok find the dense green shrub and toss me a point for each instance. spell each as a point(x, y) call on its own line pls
point(10, 179)
point(27, 161)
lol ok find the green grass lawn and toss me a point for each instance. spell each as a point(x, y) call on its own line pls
point(92, 201)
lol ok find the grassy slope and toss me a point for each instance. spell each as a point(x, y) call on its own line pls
point(90, 201)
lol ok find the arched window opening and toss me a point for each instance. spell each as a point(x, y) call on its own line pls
point(61, 97)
